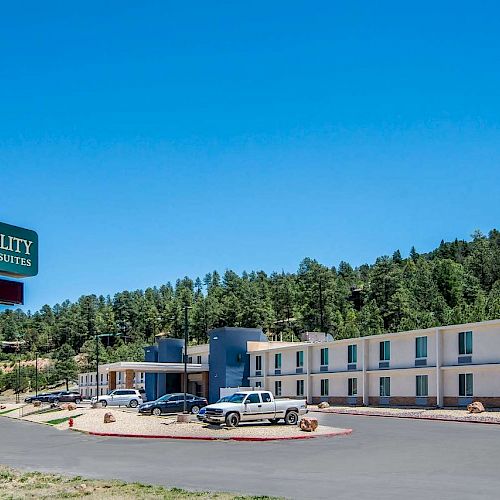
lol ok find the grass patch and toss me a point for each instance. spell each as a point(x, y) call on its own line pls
point(18, 485)
point(57, 421)
point(7, 411)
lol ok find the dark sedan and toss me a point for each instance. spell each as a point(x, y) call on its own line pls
point(43, 397)
point(172, 403)
point(65, 397)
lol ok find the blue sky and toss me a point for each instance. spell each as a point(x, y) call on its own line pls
point(145, 142)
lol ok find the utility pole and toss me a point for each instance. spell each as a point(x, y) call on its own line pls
point(321, 322)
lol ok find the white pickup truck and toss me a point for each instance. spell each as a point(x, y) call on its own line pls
point(248, 406)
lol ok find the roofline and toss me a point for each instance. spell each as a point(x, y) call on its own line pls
point(352, 340)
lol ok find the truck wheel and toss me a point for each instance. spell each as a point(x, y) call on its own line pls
point(291, 418)
point(232, 420)
point(103, 403)
point(274, 421)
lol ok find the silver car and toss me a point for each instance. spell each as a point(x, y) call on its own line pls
point(120, 397)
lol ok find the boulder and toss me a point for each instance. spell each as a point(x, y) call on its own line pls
point(109, 418)
point(308, 424)
point(71, 406)
point(37, 404)
point(183, 418)
point(63, 406)
point(324, 404)
point(475, 407)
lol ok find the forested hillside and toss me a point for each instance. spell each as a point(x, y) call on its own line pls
point(457, 282)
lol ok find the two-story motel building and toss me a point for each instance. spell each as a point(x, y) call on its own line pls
point(443, 366)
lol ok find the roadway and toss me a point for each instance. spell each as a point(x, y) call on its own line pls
point(384, 457)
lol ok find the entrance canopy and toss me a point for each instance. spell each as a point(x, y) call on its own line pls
point(148, 367)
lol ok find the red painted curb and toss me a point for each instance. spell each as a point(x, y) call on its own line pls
point(434, 419)
point(208, 438)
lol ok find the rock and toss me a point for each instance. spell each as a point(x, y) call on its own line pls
point(324, 404)
point(71, 406)
point(37, 404)
point(183, 418)
point(475, 407)
point(109, 418)
point(308, 424)
point(64, 406)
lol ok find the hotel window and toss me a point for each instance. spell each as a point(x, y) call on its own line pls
point(277, 388)
point(300, 387)
point(258, 363)
point(258, 385)
point(324, 356)
point(422, 385)
point(352, 353)
point(385, 387)
point(300, 359)
point(385, 350)
point(352, 387)
point(277, 361)
point(190, 359)
point(465, 343)
point(421, 347)
point(198, 359)
point(325, 389)
point(465, 385)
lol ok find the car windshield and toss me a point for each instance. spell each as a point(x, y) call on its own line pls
point(237, 398)
point(166, 397)
point(225, 399)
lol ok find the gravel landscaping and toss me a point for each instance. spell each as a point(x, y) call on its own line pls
point(132, 424)
point(491, 416)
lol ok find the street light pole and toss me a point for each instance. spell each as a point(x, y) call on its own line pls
point(36, 374)
point(97, 365)
point(186, 338)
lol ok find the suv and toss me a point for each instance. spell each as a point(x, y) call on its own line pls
point(120, 397)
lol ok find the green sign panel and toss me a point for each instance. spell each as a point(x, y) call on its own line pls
point(18, 251)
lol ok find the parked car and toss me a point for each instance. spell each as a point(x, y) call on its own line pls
point(43, 397)
point(65, 397)
point(171, 403)
point(249, 406)
point(120, 397)
point(201, 413)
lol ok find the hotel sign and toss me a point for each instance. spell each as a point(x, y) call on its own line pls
point(18, 251)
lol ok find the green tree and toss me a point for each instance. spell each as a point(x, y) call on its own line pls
point(65, 364)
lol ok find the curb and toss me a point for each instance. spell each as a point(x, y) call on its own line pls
point(434, 419)
point(344, 432)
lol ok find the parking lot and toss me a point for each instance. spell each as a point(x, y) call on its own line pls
point(392, 458)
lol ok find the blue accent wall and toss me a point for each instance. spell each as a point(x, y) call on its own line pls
point(150, 379)
point(167, 351)
point(229, 362)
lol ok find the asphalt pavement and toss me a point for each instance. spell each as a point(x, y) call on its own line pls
point(383, 458)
